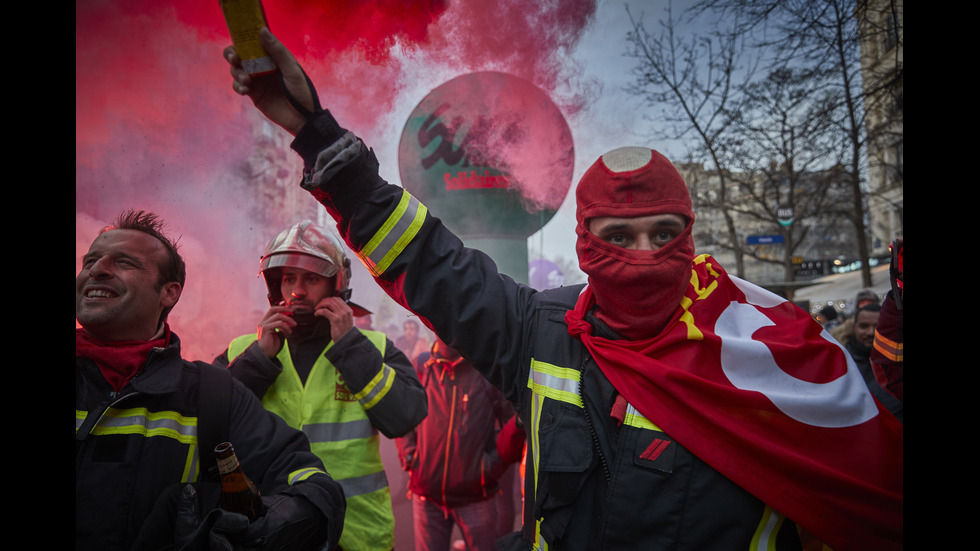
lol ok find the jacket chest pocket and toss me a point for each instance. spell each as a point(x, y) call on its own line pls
point(565, 441)
point(565, 453)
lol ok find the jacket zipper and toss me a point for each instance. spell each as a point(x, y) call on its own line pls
point(592, 431)
point(449, 436)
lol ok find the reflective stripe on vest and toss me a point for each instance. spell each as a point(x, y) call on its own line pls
point(366, 484)
point(332, 417)
point(340, 434)
point(394, 235)
point(150, 424)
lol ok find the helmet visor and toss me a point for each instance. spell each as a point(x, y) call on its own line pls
point(306, 262)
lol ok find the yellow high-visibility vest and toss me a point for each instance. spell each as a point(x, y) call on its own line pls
point(341, 435)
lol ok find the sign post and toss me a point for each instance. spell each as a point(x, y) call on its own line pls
point(492, 156)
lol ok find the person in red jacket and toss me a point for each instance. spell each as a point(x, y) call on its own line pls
point(451, 456)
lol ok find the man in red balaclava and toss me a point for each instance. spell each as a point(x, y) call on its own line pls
point(667, 404)
point(634, 220)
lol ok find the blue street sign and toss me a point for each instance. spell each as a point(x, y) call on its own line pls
point(764, 239)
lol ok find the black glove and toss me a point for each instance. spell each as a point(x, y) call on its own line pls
point(290, 523)
point(216, 532)
point(176, 524)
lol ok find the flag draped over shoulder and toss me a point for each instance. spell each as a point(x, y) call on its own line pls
point(758, 390)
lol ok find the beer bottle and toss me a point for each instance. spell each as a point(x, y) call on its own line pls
point(238, 493)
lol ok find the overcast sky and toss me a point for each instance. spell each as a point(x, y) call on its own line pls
point(615, 119)
point(611, 118)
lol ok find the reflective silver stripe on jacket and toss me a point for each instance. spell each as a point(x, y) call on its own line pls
point(548, 381)
point(394, 235)
point(765, 535)
point(142, 421)
point(146, 423)
point(557, 383)
point(636, 419)
point(377, 388)
point(302, 474)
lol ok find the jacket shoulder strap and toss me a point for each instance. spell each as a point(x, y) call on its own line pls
point(214, 416)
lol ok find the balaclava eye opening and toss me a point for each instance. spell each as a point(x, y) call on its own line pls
point(636, 291)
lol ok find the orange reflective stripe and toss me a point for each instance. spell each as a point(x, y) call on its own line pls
point(892, 350)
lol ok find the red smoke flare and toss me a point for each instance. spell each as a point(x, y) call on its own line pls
point(157, 126)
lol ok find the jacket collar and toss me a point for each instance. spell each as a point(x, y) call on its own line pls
point(162, 371)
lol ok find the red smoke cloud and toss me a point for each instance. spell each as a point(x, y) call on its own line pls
point(157, 126)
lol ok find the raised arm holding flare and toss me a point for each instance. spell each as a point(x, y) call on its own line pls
point(267, 91)
point(667, 404)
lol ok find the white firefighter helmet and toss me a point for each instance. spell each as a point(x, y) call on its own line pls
point(307, 246)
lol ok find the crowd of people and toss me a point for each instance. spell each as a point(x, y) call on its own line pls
point(664, 404)
point(856, 331)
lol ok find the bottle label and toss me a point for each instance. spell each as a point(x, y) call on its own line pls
point(228, 464)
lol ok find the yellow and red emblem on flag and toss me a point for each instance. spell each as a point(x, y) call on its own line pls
point(758, 390)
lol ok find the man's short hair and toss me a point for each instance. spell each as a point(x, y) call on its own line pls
point(171, 269)
point(866, 296)
point(829, 312)
point(870, 307)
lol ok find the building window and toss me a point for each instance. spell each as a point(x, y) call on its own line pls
point(891, 30)
point(898, 151)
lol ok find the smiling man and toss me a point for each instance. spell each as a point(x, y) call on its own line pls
point(128, 284)
point(141, 450)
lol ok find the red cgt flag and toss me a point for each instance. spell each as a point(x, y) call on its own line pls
point(758, 390)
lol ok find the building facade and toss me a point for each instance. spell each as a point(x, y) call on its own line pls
point(882, 34)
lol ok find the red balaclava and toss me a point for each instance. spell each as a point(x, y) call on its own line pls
point(636, 291)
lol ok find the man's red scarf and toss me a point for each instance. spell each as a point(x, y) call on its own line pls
point(754, 387)
point(118, 361)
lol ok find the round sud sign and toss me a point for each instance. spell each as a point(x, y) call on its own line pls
point(489, 153)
